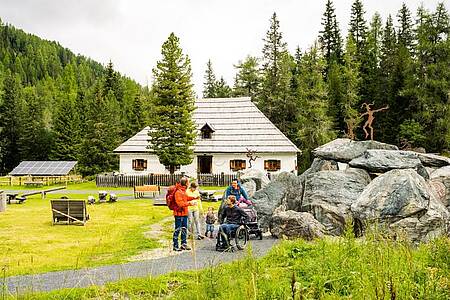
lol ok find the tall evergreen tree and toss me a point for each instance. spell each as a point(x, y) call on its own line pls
point(173, 131)
point(67, 131)
point(276, 100)
point(351, 80)
point(248, 78)
point(210, 84)
point(330, 36)
point(432, 86)
point(314, 122)
point(222, 89)
point(11, 130)
point(405, 31)
point(358, 26)
point(36, 140)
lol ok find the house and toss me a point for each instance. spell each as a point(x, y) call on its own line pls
point(227, 129)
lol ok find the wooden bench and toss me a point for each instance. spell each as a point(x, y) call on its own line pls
point(69, 211)
point(139, 191)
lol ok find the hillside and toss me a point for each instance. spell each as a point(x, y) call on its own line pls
point(55, 104)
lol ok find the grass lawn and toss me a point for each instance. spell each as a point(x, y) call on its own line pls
point(342, 268)
point(30, 244)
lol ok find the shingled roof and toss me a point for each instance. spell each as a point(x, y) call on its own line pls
point(238, 124)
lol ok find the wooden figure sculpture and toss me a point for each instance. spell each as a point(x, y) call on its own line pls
point(251, 154)
point(370, 117)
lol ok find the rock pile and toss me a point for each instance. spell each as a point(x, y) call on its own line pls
point(363, 184)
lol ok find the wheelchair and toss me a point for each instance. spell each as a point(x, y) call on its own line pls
point(240, 236)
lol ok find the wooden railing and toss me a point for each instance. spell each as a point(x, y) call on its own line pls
point(43, 180)
point(160, 179)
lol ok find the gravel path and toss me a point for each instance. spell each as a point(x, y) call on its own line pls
point(205, 256)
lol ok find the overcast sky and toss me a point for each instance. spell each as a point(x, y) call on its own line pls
point(131, 32)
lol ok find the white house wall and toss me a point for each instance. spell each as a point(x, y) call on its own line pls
point(220, 163)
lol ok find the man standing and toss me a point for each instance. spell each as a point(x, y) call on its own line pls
point(181, 215)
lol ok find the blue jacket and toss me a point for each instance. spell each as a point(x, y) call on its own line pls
point(240, 191)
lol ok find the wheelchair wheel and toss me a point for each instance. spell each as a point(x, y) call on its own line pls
point(241, 238)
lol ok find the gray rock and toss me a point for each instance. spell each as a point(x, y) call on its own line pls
point(319, 164)
point(385, 160)
point(433, 160)
point(286, 189)
point(292, 224)
point(250, 187)
point(441, 172)
point(258, 176)
point(442, 176)
point(344, 150)
point(329, 194)
point(402, 202)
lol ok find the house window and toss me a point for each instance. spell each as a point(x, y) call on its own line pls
point(272, 165)
point(139, 164)
point(237, 164)
point(206, 134)
point(207, 131)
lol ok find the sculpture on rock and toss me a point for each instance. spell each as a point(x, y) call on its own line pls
point(251, 154)
point(370, 117)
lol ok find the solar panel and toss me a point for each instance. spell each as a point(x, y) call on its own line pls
point(44, 168)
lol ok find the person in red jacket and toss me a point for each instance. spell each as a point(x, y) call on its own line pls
point(181, 215)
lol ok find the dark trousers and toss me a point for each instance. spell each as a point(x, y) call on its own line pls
point(181, 225)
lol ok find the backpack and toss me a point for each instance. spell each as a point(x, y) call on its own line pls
point(170, 198)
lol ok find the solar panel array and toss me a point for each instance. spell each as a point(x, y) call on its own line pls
point(44, 168)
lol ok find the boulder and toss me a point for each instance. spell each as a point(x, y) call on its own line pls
point(433, 160)
point(258, 176)
point(441, 172)
point(328, 196)
point(319, 164)
point(440, 179)
point(377, 161)
point(249, 186)
point(292, 224)
point(344, 150)
point(286, 189)
point(402, 202)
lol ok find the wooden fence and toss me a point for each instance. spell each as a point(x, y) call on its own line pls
point(160, 179)
point(42, 180)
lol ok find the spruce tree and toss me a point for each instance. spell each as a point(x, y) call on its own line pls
point(11, 129)
point(36, 140)
point(349, 106)
point(405, 36)
point(209, 86)
point(358, 26)
point(330, 36)
point(67, 131)
point(222, 89)
point(173, 131)
point(248, 78)
point(371, 88)
point(315, 124)
point(276, 100)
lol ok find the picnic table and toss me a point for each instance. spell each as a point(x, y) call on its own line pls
point(13, 198)
point(34, 183)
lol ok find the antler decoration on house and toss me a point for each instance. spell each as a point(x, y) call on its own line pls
point(251, 154)
point(370, 117)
